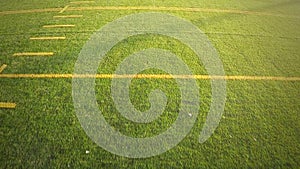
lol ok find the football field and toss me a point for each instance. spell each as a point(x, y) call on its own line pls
point(247, 79)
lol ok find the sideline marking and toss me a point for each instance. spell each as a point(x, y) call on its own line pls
point(8, 105)
point(34, 54)
point(57, 26)
point(151, 76)
point(68, 16)
point(2, 67)
point(47, 38)
point(64, 9)
point(209, 10)
point(82, 2)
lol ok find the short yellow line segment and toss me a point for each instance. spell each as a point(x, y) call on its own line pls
point(2, 67)
point(34, 54)
point(64, 9)
point(68, 16)
point(82, 2)
point(47, 38)
point(8, 105)
point(150, 76)
point(57, 26)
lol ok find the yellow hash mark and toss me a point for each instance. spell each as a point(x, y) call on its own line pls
point(8, 105)
point(2, 67)
point(82, 2)
point(57, 26)
point(47, 38)
point(68, 16)
point(34, 54)
point(150, 76)
point(64, 9)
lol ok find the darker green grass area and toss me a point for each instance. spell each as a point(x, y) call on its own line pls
point(259, 128)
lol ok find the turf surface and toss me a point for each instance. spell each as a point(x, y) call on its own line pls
point(259, 129)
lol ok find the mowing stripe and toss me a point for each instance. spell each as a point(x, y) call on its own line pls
point(208, 10)
point(82, 2)
point(8, 105)
point(47, 38)
point(2, 67)
point(68, 16)
point(34, 54)
point(64, 9)
point(57, 26)
point(150, 76)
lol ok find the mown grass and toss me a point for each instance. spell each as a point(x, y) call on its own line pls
point(260, 126)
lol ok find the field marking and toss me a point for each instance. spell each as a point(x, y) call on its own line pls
point(64, 9)
point(154, 8)
point(31, 11)
point(82, 2)
point(208, 10)
point(57, 26)
point(151, 76)
point(68, 16)
point(8, 105)
point(47, 38)
point(34, 54)
point(2, 67)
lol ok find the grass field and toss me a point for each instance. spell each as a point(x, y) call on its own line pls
point(260, 127)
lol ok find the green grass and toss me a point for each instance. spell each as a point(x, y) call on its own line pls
point(261, 123)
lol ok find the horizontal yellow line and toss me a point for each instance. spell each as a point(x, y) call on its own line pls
point(34, 54)
point(185, 9)
point(151, 8)
point(2, 67)
point(57, 26)
point(47, 38)
point(31, 11)
point(68, 16)
point(150, 76)
point(63, 10)
point(82, 2)
point(8, 105)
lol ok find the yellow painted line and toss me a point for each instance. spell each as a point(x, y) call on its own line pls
point(2, 67)
point(34, 54)
point(64, 9)
point(47, 38)
point(57, 26)
point(82, 2)
point(151, 8)
point(8, 105)
point(68, 16)
point(151, 76)
point(31, 11)
point(154, 8)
